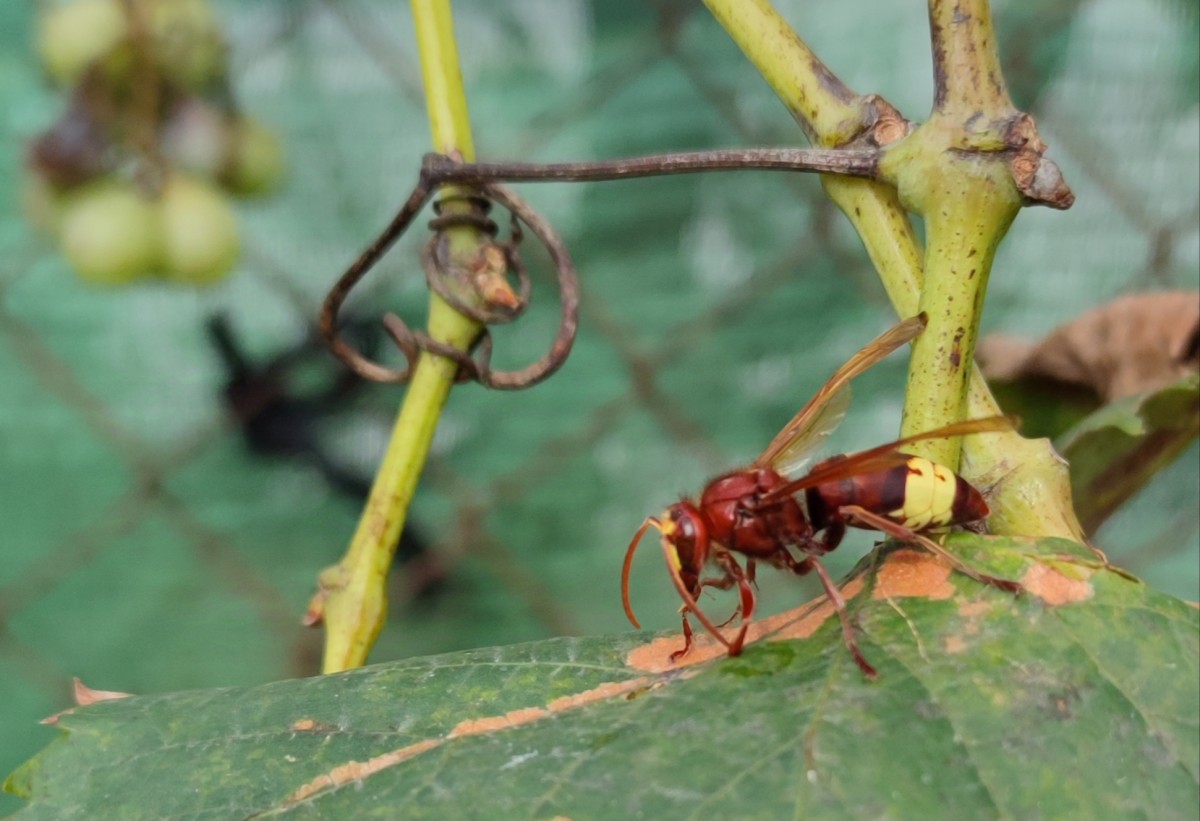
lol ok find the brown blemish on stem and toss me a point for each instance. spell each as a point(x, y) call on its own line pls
point(354, 771)
point(913, 573)
point(956, 349)
point(800, 623)
point(830, 82)
point(1053, 587)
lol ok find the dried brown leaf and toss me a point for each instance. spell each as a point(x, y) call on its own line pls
point(1128, 346)
point(84, 696)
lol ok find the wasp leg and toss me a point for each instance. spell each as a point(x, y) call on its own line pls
point(839, 604)
point(690, 606)
point(688, 637)
point(905, 534)
point(734, 574)
point(734, 571)
point(722, 583)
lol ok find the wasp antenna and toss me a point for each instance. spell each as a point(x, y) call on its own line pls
point(625, 569)
point(690, 602)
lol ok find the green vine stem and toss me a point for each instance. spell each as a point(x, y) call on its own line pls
point(351, 599)
point(1027, 480)
point(968, 206)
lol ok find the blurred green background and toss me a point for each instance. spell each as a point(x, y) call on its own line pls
point(145, 548)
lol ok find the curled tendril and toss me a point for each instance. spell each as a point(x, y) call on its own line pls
point(458, 289)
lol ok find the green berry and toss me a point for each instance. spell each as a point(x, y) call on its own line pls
point(256, 165)
point(199, 231)
point(74, 35)
point(109, 232)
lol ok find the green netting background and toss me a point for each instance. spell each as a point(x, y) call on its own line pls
point(143, 548)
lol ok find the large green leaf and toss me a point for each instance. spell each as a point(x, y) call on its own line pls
point(1077, 699)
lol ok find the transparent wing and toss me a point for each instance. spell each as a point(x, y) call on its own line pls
point(889, 455)
point(797, 453)
point(810, 427)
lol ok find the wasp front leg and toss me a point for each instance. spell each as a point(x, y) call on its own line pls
point(733, 575)
point(688, 637)
point(741, 577)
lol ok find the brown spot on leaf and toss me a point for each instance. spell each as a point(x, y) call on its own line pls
point(607, 690)
point(800, 623)
point(489, 724)
point(971, 612)
point(974, 609)
point(357, 770)
point(1054, 587)
point(353, 771)
point(913, 573)
point(955, 644)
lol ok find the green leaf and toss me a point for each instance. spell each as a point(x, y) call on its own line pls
point(1077, 699)
point(1115, 451)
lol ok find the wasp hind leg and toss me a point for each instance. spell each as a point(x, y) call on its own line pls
point(839, 604)
point(905, 534)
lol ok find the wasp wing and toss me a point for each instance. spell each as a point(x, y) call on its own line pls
point(796, 453)
point(886, 456)
point(792, 447)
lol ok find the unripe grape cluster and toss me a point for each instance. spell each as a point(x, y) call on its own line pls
point(135, 178)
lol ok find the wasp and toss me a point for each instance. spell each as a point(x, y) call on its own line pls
point(758, 512)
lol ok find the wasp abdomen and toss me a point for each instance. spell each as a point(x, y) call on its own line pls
point(918, 494)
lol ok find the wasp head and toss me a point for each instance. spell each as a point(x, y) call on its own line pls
point(685, 540)
point(685, 543)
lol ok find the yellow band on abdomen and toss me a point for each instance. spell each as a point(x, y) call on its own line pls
point(929, 491)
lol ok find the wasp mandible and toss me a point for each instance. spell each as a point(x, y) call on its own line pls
point(789, 523)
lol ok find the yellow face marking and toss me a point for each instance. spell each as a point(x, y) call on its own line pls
point(676, 562)
point(668, 529)
point(928, 495)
